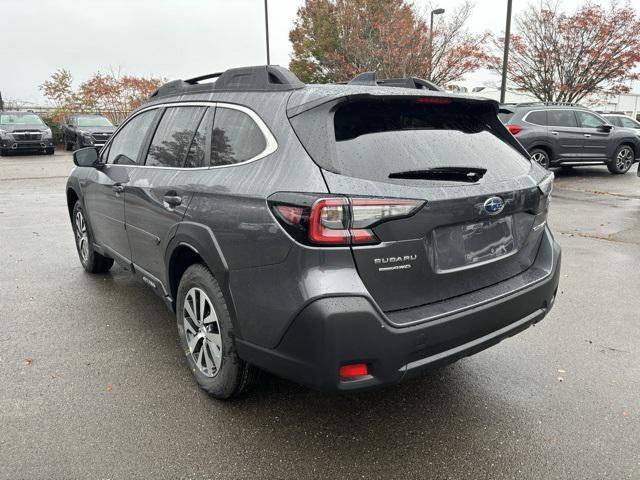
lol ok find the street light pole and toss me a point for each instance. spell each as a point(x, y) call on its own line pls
point(266, 28)
point(437, 11)
point(505, 59)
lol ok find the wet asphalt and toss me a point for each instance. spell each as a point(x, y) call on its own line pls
point(93, 384)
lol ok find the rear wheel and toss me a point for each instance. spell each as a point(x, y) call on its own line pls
point(541, 157)
point(206, 336)
point(622, 160)
point(91, 260)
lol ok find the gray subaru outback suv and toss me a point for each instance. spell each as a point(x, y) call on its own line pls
point(341, 236)
point(570, 135)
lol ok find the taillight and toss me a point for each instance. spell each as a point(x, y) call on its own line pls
point(514, 129)
point(337, 221)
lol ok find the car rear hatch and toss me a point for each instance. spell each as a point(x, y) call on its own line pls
point(482, 214)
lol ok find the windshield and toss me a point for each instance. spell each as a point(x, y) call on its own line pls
point(94, 121)
point(20, 119)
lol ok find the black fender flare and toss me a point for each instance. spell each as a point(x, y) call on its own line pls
point(201, 239)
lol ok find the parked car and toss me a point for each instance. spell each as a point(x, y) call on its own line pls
point(570, 135)
point(341, 236)
point(620, 120)
point(80, 131)
point(24, 132)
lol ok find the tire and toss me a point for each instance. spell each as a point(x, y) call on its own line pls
point(67, 146)
point(91, 260)
point(50, 151)
point(622, 160)
point(212, 356)
point(3, 152)
point(541, 157)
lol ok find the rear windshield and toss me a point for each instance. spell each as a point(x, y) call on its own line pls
point(376, 138)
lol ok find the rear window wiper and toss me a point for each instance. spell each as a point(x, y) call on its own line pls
point(453, 174)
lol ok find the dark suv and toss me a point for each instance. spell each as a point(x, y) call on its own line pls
point(570, 135)
point(86, 131)
point(24, 132)
point(342, 236)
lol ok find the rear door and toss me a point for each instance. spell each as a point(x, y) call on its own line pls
point(159, 192)
point(470, 234)
point(565, 135)
point(596, 140)
point(103, 194)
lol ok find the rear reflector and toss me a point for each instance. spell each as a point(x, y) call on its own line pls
point(354, 370)
point(514, 129)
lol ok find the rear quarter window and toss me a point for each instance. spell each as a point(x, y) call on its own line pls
point(538, 117)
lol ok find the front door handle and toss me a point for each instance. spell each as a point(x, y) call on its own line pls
point(553, 132)
point(118, 188)
point(173, 200)
point(587, 135)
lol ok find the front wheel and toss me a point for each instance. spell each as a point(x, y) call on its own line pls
point(540, 157)
point(91, 260)
point(67, 145)
point(50, 151)
point(206, 336)
point(622, 160)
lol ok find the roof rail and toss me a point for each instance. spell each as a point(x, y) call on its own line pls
point(370, 78)
point(262, 78)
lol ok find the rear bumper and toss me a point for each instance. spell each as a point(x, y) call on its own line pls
point(334, 331)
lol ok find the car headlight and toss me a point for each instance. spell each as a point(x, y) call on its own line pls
point(46, 133)
point(3, 132)
point(86, 137)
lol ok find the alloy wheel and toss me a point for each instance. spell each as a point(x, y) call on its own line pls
point(202, 331)
point(541, 159)
point(624, 160)
point(82, 237)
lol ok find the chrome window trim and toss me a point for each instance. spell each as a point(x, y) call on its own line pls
point(270, 147)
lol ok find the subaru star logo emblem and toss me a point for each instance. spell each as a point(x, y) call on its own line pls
point(494, 205)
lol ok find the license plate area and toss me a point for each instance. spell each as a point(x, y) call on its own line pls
point(470, 244)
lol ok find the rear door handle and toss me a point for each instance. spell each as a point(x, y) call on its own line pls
point(553, 132)
point(173, 200)
point(587, 135)
point(118, 188)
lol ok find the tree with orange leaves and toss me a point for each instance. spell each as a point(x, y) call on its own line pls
point(564, 57)
point(333, 40)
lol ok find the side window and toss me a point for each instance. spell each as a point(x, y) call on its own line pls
point(561, 118)
point(628, 122)
point(126, 145)
point(196, 157)
point(235, 137)
point(173, 136)
point(589, 120)
point(617, 121)
point(537, 118)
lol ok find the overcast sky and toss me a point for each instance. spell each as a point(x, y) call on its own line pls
point(165, 38)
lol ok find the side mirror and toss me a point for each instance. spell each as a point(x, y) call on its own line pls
point(606, 127)
point(86, 157)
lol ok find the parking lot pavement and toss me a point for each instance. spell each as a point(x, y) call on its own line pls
point(94, 384)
